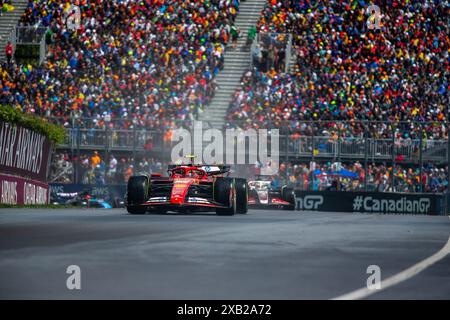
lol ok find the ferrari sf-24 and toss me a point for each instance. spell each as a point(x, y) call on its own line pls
point(188, 188)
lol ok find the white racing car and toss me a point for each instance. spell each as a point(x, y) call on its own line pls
point(262, 194)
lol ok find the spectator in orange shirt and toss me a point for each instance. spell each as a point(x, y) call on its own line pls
point(129, 172)
point(95, 159)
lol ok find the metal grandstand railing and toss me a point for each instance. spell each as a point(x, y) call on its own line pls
point(117, 139)
point(416, 145)
point(303, 146)
point(355, 148)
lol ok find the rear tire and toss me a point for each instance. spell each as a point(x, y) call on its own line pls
point(225, 194)
point(241, 195)
point(137, 191)
point(287, 194)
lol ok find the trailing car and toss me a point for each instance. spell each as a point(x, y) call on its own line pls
point(263, 194)
point(188, 188)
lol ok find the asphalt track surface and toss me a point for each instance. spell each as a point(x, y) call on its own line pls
point(261, 255)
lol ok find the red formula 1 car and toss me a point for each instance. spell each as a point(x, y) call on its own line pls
point(188, 188)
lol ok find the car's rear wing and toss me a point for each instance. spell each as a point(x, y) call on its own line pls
point(216, 169)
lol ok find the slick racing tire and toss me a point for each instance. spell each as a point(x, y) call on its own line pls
point(241, 195)
point(137, 191)
point(225, 194)
point(287, 194)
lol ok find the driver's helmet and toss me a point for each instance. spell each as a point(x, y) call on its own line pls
point(190, 174)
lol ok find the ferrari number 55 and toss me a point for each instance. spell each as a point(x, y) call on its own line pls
point(188, 188)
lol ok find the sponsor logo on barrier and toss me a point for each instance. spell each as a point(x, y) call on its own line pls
point(402, 205)
point(34, 194)
point(311, 202)
point(21, 148)
point(9, 192)
point(23, 152)
point(17, 190)
point(100, 191)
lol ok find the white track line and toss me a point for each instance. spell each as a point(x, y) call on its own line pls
point(399, 277)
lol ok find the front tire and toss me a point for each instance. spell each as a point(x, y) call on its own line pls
point(137, 191)
point(241, 195)
point(225, 194)
point(287, 194)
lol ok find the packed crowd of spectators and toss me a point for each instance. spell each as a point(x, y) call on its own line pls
point(153, 61)
point(351, 177)
point(96, 168)
point(345, 71)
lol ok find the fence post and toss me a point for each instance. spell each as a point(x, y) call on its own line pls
point(72, 152)
point(313, 157)
point(421, 159)
point(78, 138)
point(73, 139)
point(393, 158)
point(106, 152)
point(366, 149)
point(134, 145)
point(339, 144)
point(286, 156)
point(163, 147)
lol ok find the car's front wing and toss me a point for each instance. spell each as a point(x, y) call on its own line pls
point(188, 202)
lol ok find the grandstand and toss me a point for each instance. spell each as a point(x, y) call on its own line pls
point(345, 71)
point(134, 70)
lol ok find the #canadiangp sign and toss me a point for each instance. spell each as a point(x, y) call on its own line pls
point(23, 152)
point(368, 202)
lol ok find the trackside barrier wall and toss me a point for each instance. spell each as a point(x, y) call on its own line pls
point(370, 202)
point(24, 165)
point(320, 201)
